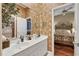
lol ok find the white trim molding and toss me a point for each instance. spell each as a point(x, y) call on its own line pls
point(0, 30)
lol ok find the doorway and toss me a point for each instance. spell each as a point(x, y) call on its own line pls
point(64, 31)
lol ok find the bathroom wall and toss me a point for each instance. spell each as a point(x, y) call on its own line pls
point(41, 14)
point(42, 20)
point(0, 31)
point(23, 12)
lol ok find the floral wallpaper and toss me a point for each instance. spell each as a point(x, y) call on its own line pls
point(41, 14)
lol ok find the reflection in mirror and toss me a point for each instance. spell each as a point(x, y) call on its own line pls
point(8, 32)
point(16, 29)
point(8, 9)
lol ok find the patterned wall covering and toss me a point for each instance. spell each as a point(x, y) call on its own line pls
point(41, 14)
point(42, 20)
point(23, 12)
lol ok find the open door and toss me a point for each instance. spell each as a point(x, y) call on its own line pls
point(63, 30)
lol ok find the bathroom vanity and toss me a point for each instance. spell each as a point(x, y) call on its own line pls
point(37, 46)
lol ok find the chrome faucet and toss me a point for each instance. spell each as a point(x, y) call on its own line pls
point(22, 38)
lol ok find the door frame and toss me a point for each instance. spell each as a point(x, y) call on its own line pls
point(53, 24)
point(0, 29)
point(76, 37)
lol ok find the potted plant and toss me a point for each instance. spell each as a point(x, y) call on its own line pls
point(8, 9)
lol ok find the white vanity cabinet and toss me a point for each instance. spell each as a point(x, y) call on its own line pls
point(34, 47)
point(38, 49)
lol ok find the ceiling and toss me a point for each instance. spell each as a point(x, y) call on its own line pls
point(68, 7)
point(68, 18)
point(35, 7)
point(29, 5)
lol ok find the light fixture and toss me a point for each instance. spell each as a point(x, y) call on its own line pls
point(64, 12)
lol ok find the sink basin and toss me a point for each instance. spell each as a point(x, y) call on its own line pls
point(20, 45)
point(24, 44)
point(17, 43)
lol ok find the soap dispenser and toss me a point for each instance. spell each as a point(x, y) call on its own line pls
point(22, 38)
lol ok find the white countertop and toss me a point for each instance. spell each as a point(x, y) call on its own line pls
point(16, 48)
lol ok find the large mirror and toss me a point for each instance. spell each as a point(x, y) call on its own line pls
point(14, 25)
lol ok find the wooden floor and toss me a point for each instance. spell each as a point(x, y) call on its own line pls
point(60, 50)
